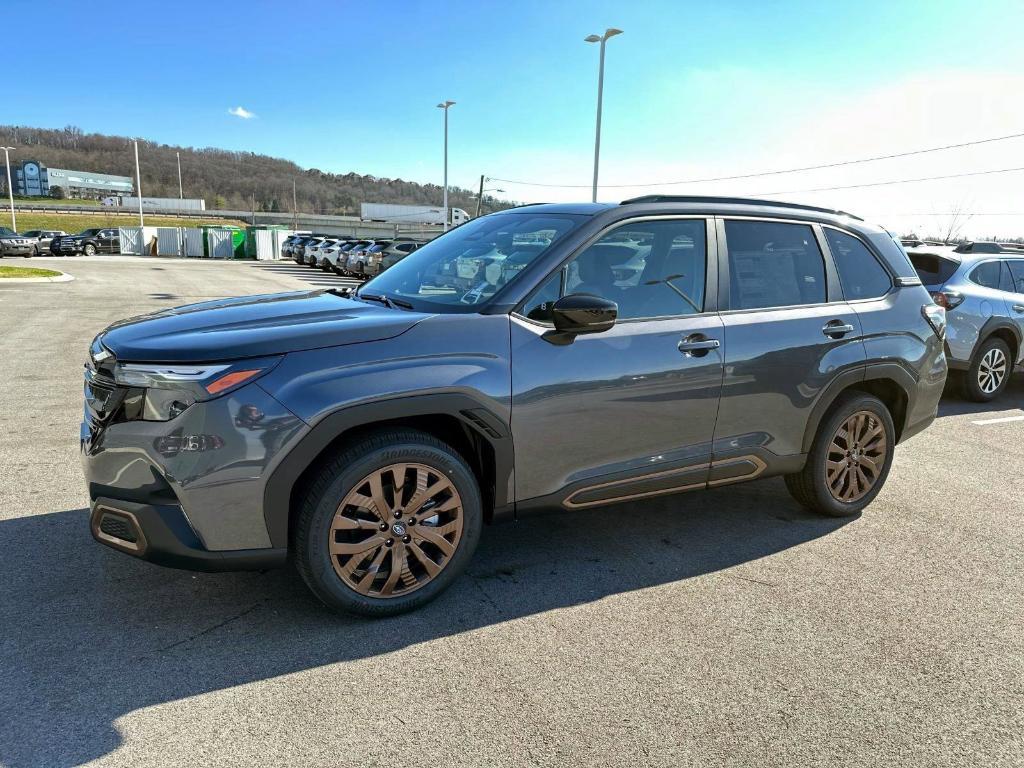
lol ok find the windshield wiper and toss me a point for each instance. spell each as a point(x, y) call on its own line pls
point(385, 300)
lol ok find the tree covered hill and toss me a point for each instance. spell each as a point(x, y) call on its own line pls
point(226, 179)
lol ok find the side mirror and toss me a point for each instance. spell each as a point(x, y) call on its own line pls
point(580, 313)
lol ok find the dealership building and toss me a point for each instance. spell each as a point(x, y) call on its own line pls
point(33, 179)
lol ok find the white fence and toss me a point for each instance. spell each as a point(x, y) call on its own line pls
point(198, 243)
point(193, 238)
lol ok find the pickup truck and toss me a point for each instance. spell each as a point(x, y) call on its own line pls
point(42, 239)
point(90, 242)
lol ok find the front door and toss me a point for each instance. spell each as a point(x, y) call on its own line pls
point(630, 412)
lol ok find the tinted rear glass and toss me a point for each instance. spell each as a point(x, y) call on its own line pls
point(933, 269)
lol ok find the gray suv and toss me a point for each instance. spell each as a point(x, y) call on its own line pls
point(983, 295)
point(511, 365)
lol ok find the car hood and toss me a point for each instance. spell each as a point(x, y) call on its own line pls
point(253, 326)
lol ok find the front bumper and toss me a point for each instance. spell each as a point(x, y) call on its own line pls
point(65, 249)
point(195, 484)
point(161, 534)
point(15, 250)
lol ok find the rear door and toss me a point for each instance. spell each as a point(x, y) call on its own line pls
point(788, 332)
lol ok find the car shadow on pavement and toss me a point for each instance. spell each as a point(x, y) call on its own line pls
point(90, 635)
point(953, 403)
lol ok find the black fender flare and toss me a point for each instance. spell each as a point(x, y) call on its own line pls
point(994, 324)
point(471, 412)
point(892, 371)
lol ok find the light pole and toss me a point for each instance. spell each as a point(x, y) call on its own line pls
point(602, 39)
point(445, 105)
point(10, 189)
point(138, 183)
point(181, 193)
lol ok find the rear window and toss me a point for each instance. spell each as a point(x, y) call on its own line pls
point(933, 269)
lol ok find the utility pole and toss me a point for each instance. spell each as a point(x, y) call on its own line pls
point(295, 209)
point(181, 193)
point(138, 182)
point(600, 95)
point(480, 196)
point(10, 189)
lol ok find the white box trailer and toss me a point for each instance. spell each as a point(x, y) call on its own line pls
point(410, 214)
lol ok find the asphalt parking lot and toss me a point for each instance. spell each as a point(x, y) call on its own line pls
point(720, 628)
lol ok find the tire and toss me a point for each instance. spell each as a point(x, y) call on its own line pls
point(35, 252)
point(845, 495)
point(989, 373)
point(359, 583)
point(89, 249)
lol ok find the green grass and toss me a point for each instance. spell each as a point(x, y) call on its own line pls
point(76, 222)
point(54, 201)
point(26, 272)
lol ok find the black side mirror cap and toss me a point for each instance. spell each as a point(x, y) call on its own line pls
point(581, 313)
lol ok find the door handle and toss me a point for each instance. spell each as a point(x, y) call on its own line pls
point(837, 329)
point(1018, 307)
point(697, 345)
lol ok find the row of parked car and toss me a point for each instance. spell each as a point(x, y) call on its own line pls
point(57, 242)
point(348, 256)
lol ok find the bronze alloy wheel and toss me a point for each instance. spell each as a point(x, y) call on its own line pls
point(396, 530)
point(856, 457)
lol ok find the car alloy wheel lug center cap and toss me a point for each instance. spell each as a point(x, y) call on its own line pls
point(398, 529)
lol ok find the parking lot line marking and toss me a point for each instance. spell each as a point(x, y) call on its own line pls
point(1003, 420)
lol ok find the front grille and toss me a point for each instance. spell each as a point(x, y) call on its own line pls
point(118, 527)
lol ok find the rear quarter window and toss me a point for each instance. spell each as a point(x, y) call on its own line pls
point(932, 268)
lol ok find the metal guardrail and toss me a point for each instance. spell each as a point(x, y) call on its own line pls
point(329, 224)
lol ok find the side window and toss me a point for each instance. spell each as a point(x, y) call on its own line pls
point(860, 274)
point(773, 264)
point(649, 268)
point(538, 306)
point(1016, 269)
point(987, 275)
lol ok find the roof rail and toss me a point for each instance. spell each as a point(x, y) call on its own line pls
point(733, 201)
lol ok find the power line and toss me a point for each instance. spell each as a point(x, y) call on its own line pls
point(768, 173)
point(887, 183)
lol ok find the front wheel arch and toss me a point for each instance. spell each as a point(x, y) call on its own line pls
point(479, 434)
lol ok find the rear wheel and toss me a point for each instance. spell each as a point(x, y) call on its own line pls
point(388, 524)
point(989, 372)
point(850, 458)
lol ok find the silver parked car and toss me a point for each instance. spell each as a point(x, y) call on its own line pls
point(43, 238)
point(983, 294)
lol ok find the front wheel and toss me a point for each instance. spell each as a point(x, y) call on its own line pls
point(990, 371)
point(388, 524)
point(849, 459)
point(89, 250)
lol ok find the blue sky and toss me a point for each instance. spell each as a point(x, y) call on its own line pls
point(692, 89)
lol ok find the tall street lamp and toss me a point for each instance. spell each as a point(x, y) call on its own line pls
point(10, 189)
point(445, 105)
point(602, 39)
point(181, 193)
point(138, 183)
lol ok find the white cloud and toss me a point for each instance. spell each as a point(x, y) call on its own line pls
point(241, 112)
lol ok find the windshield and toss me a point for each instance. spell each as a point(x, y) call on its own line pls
point(88, 232)
point(466, 267)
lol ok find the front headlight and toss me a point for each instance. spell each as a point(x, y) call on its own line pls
point(161, 392)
